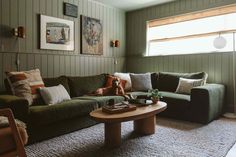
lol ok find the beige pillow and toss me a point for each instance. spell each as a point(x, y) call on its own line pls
point(185, 85)
point(54, 95)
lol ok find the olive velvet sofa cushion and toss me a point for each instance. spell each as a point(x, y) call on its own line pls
point(168, 81)
point(41, 115)
point(102, 100)
point(87, 84)
point(63, 80)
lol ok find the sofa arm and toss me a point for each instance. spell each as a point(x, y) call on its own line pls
point(207, 102)
point(19, 106)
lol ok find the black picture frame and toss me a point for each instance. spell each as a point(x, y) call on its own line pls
point(70, 10)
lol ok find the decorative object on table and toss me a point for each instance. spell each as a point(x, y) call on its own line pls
point(118, 108)
point(56, 33)
point(70, 9)
point(155, 95)
point(91, 36)
point(140, 102)
point(19, 32)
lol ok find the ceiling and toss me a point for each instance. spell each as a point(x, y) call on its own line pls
point(129, 5)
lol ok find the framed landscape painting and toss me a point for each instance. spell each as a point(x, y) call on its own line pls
point(91, 36)
point(56, 33)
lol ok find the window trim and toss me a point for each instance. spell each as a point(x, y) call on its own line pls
point(217, 11)
point(193, 16)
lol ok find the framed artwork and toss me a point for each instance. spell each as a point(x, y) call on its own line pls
point(56, 33)
point(70, 9)
point(91, 36)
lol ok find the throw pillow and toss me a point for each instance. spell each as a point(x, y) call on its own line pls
point(35, 81)
point(110, 80)
point(19, 85)
point(141, 82)
point(185, 85)
point(125, 76)
point(54, 95)
point(25, 84)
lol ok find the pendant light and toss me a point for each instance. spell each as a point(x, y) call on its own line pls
point(219, 42)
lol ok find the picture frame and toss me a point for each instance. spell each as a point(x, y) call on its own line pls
point(91, 36)
point(56, 33)
point(70, 10)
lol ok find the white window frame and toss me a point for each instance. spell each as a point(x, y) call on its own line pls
point(190, 16)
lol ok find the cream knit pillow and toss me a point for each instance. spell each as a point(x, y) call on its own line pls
point(185, 85)
point(54, 95)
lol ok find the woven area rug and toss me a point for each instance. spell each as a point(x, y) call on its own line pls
point(172, 139)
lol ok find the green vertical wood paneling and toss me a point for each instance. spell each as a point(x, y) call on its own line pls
point(217, 65)
point(53, 63)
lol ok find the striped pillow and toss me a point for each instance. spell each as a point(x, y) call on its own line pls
point(19, 85)
point(29, 82)
point(35, 81)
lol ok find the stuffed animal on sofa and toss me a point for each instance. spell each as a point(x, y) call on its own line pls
point(115, 89)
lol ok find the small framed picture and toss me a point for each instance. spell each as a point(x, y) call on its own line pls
point(56, 33)
point(70, 10)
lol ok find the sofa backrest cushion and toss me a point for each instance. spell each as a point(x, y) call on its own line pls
point(63, 80)
point(168, 81)
point(154, 79)
point(85, 85)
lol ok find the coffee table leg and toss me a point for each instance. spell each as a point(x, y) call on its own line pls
point(145, 126)
point(112, 134)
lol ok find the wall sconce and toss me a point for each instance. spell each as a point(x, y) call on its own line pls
point(115, 43)
point(19, 32)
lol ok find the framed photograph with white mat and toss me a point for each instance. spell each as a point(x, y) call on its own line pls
point(56, 33)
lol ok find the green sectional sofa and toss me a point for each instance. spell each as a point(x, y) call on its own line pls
point(43, 121)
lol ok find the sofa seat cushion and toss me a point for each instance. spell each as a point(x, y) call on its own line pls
point(102, 100)
point(178, 105)
point(42, 115)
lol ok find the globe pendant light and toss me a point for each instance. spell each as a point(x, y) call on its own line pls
point(219, 42)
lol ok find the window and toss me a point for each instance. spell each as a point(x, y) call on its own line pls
point(192, 33)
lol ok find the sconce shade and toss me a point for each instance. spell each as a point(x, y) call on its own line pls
point(19, 32)
point(117, 43)
point(219, 42)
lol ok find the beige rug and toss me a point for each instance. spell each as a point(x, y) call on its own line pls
point(172, 139)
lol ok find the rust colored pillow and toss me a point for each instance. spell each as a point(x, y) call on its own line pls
point(111, 78)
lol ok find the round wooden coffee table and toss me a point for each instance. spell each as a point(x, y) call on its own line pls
point(143, 117)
